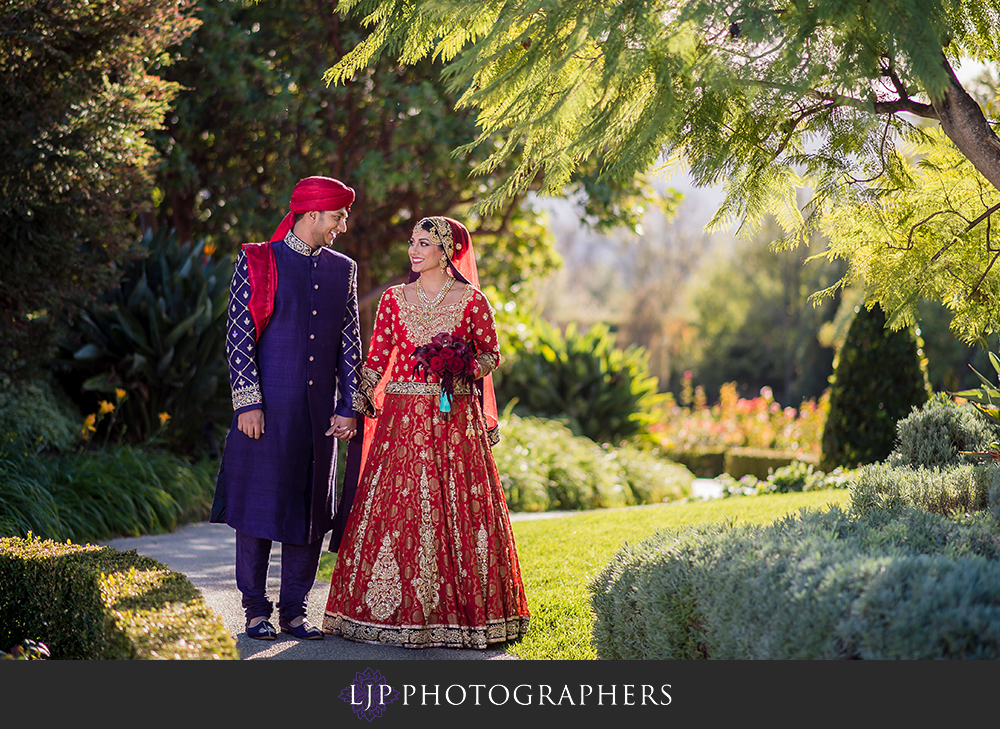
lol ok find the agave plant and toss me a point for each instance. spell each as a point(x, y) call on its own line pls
point(158, 341)
point(581, 378)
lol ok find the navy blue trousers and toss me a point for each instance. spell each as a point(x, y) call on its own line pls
point(298, 573)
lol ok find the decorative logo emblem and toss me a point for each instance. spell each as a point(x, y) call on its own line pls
point(369, 694)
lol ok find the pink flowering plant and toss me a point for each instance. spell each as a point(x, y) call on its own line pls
point(449, 359)
point(736, 422)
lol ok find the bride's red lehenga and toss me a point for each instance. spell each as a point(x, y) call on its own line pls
point(428, 556)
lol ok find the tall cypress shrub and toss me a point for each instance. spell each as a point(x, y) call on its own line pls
point(878, 380)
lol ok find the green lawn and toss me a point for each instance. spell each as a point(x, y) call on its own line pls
point(559, 556)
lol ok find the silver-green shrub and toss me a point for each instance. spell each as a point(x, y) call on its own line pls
point(937, 434)
point(815, 585)
point(955, 490)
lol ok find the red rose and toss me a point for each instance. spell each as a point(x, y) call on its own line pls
point(437, 364)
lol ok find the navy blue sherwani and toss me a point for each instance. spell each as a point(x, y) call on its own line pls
point(301, 370)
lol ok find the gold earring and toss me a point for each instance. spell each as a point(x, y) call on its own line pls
point(443, 263)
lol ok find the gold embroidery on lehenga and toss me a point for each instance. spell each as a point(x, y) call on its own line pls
point(483, 557)
point(453, 498)
point(421, 331)
point(418, 636)
point(424, 388)
point(427, 583)
point(361, 531)
point(385, 590)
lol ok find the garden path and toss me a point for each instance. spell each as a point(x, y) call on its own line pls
point(204, 553)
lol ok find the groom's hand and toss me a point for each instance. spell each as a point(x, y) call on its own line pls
point(251, 422)
point(343, 428)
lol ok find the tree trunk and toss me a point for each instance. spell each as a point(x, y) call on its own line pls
point(963, 121)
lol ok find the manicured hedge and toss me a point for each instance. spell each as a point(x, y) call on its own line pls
point(543, 466)
point(760, 462)
point(703, 463)
point(893, 584)
point(89, 602)
point(911, 570)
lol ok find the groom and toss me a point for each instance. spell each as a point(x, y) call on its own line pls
point(294, 356)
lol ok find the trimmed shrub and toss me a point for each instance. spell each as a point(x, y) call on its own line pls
point(878, 379)
point(702, 462)
point(652, 478)
point(89, 602)
point(816, 585)
point(937, 433)
point(955, 490)
point(34, 412)
point(760, 462)
point(544, 466)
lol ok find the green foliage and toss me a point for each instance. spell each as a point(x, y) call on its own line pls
point(911, 237)
point(161, 337)
point(942, 433)
point(949, 490)
point(767, 98)
point(255, 117)
point(651, 477)
point(760, 462)
point(118, 491)
point(89, 602)
point(753, 322)
point(80, 92)
point(559, 558)
point(35, 412)
point(906, 584)
point(987, 398)
point(878, 379)
point(602, 392)
point(543, 466)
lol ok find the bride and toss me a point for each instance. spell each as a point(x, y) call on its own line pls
point(428, 556)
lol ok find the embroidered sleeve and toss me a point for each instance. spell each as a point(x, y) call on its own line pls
point(484, 333)
point(379, 354)
point(350, 352)
point(241, 346)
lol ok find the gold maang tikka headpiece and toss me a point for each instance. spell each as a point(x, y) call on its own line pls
point(440, 234)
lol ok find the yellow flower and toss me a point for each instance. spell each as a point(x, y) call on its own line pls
point(88, 426)
point(119, 394)
point(164, 417)
point(105, 407)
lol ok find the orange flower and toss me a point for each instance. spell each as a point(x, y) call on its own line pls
point(105, 407)
point(88, 426)
point(164, 417)
point(119, 394)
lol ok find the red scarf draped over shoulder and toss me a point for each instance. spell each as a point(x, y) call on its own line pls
point(312, 193)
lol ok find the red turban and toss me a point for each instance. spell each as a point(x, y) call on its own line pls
point(315, 193)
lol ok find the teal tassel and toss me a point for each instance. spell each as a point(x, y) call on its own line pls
point(445, 402)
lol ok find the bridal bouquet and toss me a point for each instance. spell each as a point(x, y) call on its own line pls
point(450, 359)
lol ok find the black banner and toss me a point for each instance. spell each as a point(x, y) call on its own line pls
point(519, 694)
